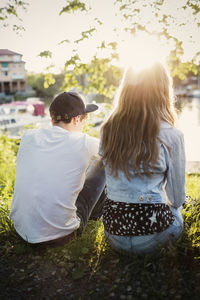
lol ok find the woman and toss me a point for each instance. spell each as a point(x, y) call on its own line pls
point(144, 161)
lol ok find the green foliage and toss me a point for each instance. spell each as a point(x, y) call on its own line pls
point(180, 69)
point(49, 79)
point(8, 152)
point(194, 4)
point(89, 260)
point(85, 35)
point(191, 211)
point(98, 77)
point(73, 6)
point(193, 186)
point(6, 225)
point(64, 41)
point(90, 77)
point(191, 214)
point(89, 129)
point(46, 85)
point(159, 22)
point(46, 54)
point(11, 8)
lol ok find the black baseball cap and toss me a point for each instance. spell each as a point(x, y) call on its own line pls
point(70, 104)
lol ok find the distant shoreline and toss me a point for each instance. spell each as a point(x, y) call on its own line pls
point(193, 167)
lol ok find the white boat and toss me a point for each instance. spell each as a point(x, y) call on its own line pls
point(16, 115)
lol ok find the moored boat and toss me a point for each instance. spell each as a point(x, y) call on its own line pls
point(20, 113)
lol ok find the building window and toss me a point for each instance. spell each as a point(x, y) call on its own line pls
point(16, 58)
point(4, 57)
point(5, 73)
point(4, 64)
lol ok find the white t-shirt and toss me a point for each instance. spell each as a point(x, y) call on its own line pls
point(50, 173)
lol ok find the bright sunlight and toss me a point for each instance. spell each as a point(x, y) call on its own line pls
point(142, 51)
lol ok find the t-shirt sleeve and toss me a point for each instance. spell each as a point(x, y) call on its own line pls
point(22, 145)
point(93, 147)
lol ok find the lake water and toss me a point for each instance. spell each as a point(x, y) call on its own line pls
point(188, 121)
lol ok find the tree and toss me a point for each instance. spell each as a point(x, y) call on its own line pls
point(11, 9)
point(163, 19)
point(37, 82)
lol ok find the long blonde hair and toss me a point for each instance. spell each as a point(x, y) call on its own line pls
point(130, 135)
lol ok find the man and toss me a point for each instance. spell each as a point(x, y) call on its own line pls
point(55, 189)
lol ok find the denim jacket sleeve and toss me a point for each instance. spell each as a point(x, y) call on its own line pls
point(175, 186)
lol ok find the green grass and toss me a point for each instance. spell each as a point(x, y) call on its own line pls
point(87, 268)
point(193, 185)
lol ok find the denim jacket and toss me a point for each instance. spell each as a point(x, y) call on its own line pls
point(167, 184)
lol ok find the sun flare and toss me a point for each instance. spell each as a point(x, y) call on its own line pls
point(142, 51)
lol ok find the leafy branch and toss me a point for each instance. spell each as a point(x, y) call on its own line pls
point(11, 9)
point(73, 6)
point(85, 35)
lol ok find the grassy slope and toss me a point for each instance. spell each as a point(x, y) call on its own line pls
point(193, 186)
point(87, 268)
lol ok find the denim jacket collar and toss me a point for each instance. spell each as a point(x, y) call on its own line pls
point(165, 124)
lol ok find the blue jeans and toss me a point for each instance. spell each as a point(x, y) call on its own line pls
point(91, 199)
point(148, 243)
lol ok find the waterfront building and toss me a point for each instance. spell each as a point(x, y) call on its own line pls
point(12, 72)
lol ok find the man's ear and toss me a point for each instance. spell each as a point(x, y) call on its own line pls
point(75, 120)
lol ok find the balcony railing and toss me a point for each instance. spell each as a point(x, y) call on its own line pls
point(18, 76)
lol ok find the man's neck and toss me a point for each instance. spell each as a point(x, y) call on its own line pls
point(67, 126)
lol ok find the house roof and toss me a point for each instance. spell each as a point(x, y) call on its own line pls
point(8, 52)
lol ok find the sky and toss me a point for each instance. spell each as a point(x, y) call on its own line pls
point(45, 29)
